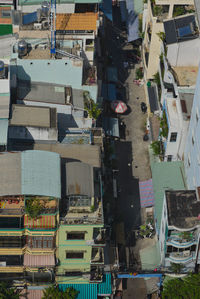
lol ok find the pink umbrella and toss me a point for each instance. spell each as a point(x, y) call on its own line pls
point(118, 106)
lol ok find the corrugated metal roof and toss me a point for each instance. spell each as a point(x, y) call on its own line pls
point(3, 131)
point(32, 260)
point(45, 221)
point(106, 8)
point(105, 287)
point(40, 173)
point(79, 179)
point(112, 74)
point(111, 126)
point(76, 21)
point(109, 92)
point(90, 154)
point(86, 291)
point(10, 174)
point(166, 176)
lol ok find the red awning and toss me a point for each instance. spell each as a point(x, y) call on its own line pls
point(146, 193)
point(32, 260)
point(46, 221)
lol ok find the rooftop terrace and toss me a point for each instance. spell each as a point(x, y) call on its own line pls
point(185, 75)
point(183, 209)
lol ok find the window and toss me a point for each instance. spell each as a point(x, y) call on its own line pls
point(76, 236)
point(74, 254)
point(6, 14)
point(173, 137)
point(183, 106)
point(169, 158)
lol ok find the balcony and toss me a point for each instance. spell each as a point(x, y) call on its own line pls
point(96, 274)
point(12, 242)
point(90, 76)
point(97, 256)
point(99, 236)
point(11, 205)
point(178, 242)
point(84, 214)
point(43, 204)
point(181, 257)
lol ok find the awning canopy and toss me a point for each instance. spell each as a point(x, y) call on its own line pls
point(106, 8)
point(146, 193)
point(46, 221)
point(109, 92)
point(32, 260)
point(132, 21)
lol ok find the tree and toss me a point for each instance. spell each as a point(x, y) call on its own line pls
point(182, 288)
point(54, 293)
point(176, 268)
point(6, 292)
point(33, 207)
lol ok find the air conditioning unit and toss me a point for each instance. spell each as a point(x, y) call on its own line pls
point(37, 26)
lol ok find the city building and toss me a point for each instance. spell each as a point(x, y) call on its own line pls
point(179, 234)
point(81, 233)
point(30, 192)
point(32, 123)
point(192, 150)
point(4, 102)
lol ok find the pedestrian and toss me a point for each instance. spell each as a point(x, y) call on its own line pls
point(137, 98)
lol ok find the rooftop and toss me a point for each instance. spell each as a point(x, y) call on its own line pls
point(186, 75)
point(79, 179)
point(180, 29)
point(183, 209)
point(30, 172)
point(77, 21)
point(33, 116)
point(166, 176)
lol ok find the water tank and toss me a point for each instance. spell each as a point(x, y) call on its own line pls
point(2, 69)
point(45, 8)
point(22, 47)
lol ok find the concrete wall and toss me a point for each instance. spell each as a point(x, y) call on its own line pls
point(82, 245)
point(163, 224)
point(192, 151)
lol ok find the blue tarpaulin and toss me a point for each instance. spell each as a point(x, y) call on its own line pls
point(111, 126)
point(132, 21)
point(112, 74)
point(109, 92)
point(29, 18)
point(106, 8)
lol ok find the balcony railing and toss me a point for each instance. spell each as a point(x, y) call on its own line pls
point(182, 257)
point(177, 242)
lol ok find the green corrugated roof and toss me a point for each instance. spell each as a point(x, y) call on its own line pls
point(150, 257)
point(90, 291)
point(105, 287)
point(3, 131)
point(40, 173)
point(166, 176)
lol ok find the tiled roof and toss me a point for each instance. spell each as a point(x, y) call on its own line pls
point(31, 260)
point(76, 21)
point(45, 221)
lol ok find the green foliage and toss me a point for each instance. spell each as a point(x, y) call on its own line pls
point(141, 33)
point(176, 268)
point(164, 125)
point(161, 36)
point(186, 235)
point(92, 208)
point(179, 10)
point(157, 10)
point(157, 78)
point(54, 293)
point(139, 73)
point(93, 110)
point(182, 288)
point(6, 292)
point(156, 147)
point(34, 207)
